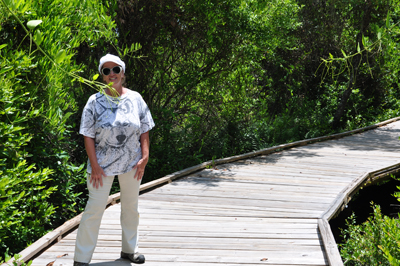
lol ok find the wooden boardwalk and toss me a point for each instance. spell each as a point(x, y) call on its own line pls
point(265, 210)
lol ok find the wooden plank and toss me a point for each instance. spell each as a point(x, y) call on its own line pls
point(345, 195)
point(354, 159)
point(209, 232)
point(319, 169)
point(268, 194)
point(306, 206)
point(122, 262)
point(156, 203)
point(47, 239)
point(196, 183)
point(233, 212)
point(233, 224)
point(148, 214)
point(212, 243)
point(273, 171)
point(262, 191)
point(322, 150)
point(330, 245)
point(333, 167)
point(217, 256)
point(274, 179)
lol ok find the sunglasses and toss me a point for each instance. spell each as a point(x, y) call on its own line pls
point(107, 71)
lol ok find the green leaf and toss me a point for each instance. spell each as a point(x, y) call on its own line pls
point(33, 23)
point(388, 20)
point(38, 37)
point(358, 47)
point(22, 194)
point(95, 77)
point(379, 35)
point(2, 46)
point(344, 54)
point(4, 70)
point(60, 56)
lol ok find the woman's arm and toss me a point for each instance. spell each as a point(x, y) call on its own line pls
point(145, 145)
point(96, 177)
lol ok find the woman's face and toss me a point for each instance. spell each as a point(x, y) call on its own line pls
point(116, 79)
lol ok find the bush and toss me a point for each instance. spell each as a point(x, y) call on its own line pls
point(16, 260)
point(24, 205)
point(374, 242)
point(39, 83)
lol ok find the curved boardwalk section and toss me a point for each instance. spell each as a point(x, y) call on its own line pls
point(266, 210)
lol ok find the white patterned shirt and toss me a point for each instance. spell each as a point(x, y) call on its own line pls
point(116, 123)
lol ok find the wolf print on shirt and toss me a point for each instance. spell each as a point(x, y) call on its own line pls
point(116, 125)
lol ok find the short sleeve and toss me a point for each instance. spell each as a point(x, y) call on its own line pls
point(88, 120)
point(146, 120)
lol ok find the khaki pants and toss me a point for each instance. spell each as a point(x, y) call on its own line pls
point(89, 227)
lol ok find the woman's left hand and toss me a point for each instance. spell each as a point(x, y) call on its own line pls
point(140, 169)
point(145, 144)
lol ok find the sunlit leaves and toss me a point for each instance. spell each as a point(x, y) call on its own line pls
point(374, 242)
point(37, 71)
point(38, 37)
point(388, 20)
point(33, 24)
point(60, 56)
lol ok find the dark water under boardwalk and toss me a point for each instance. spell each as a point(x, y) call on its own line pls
point(380, 194)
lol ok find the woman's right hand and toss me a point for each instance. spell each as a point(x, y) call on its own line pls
point(96, 177)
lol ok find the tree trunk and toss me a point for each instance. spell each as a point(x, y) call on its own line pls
point(356, 62)
point(343, 102)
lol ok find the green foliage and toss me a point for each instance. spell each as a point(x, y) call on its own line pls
point(38, 87)
point(16, 260)
point(198, 75)
point(220, 77)
point(368, 33)
point(375, 242)
point(24, 205)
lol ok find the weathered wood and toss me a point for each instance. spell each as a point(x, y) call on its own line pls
point(281, 200)
point(170, 178)
point(345, 196)
point(49, 238)
point(226, 211)
point(331, 249)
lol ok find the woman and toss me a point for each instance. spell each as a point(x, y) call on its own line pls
point(115, 125)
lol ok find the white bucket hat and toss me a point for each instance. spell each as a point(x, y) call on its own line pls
point(111, 58)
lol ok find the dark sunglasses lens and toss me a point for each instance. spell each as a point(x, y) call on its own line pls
point(106, 71)
point(116, 69)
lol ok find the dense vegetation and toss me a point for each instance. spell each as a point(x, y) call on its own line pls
point(373, 242)
point(220, 77)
